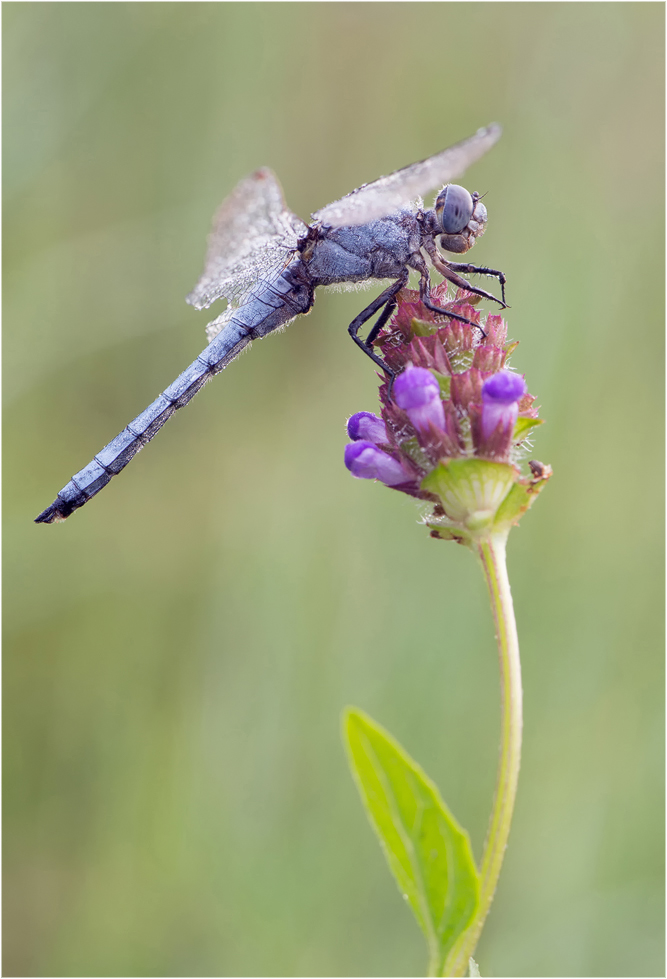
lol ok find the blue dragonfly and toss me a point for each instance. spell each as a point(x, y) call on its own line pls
point(267, 263)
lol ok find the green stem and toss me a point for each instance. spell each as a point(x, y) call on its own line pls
point(492, 555)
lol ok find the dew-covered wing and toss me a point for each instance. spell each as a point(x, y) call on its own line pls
point(253, 234)
point(385, 195)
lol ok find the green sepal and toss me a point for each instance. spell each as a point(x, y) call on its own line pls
point(443, 532)
point(519, 499)
point(480, 498)
point(523, 426)
point(414, 451)
point(460, 360)
point(510, 347)
point(428, 853)
point(445, 382)
point(421, 328)
point(471, 490)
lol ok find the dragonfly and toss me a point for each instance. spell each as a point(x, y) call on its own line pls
point(267, 264)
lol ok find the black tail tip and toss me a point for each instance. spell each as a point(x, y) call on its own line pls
point(52, 514)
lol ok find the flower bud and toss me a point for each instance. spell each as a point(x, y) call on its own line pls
point(366, 461)
point(366, 425)
point(417, 392)
point(501, 394)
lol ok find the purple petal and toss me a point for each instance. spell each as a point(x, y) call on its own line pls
point(417, 392)
point(366, 461)
point(415, 387)
point(505, 387)
point(495, 413)
point(366, 425)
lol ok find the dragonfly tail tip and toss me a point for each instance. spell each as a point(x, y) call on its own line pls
point(52, 514)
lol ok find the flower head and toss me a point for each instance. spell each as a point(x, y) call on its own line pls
point(453, 428)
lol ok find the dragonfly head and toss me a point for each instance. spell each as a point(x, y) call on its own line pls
point(460, 218)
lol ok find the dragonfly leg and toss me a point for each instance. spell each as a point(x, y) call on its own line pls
point(481, 270)
point(448, 271)
point(425, 295)
point(381, 320)
point(387, 298)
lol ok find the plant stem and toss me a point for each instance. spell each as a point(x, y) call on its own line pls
point(491, 553)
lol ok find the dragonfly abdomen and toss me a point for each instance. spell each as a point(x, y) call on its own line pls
point(115, 456)
point(279, 301)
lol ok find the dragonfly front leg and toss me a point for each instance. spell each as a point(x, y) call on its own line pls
point(425, 296)
point(387, 298)
point(447, 270)
point(481, 270)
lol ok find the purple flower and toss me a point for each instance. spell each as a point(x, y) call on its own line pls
point(450, 392)
point(366, 461)
point(500, 396)
point(366, 425)
point(417, 392)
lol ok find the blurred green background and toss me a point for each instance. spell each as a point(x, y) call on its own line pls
point(177, 655)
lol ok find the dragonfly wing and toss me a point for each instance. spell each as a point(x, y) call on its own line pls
point(387, 194)
point(253, 232)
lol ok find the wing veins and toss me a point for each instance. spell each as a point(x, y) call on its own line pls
point(375, 200)
point(253, 232)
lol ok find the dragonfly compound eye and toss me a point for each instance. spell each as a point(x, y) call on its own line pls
point(454, 209)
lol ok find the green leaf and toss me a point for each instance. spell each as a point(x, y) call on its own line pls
point(473, 969)
point(428, 853)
